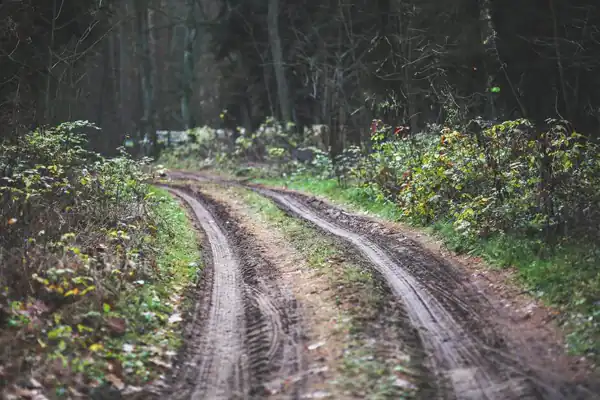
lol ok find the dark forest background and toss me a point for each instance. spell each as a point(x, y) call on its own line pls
point(134, 66)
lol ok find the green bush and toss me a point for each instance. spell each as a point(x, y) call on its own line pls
point(50, 183)
point(79, 272)
point(507, 178)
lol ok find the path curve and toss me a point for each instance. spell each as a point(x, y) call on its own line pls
point(471, 359)
point(246, 329)
point(218, 367)
point(458, 356)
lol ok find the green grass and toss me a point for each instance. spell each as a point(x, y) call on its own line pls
point(357, 198)
point(567, 277)
point(364, 371)
point(176, 240)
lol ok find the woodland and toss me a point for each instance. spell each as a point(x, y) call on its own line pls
point(479, 119)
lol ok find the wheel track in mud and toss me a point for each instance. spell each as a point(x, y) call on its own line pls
point(475, 365)
point(456, 354)
point(249, 329)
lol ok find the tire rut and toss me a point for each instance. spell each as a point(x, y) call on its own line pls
point(251, 334)
point(468, 357)
point(216, 367)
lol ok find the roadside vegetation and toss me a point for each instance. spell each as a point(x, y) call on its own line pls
point(514, 194)
point(94, 264)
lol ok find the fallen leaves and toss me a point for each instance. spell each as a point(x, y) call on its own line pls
point(160, 363)
point(29, 394)
point(116, 381)
point(33, 390)
point(315, 346)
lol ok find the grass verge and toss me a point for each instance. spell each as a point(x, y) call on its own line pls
point(566, 277)
point(368, 369)
point(154, 310)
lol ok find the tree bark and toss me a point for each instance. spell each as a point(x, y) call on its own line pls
point(488, 38)
point(147, 125)
point(283, 95)
point(48, 104)
point(188, 66)
point(123, 75)
point(559, 63)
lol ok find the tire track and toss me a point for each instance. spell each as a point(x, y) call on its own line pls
point(472, 360)
point(250, 333)
point(217, 367)
point(273, 327)
point(473, 370)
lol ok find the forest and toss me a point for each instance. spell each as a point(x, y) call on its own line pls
point(165, 165)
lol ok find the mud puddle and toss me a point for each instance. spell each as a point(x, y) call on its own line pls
point(455, 323)
point(246, 329)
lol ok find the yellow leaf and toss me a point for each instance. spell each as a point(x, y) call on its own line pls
point(87, 289)
point(42, 344)
point(96, 347)
point(72, 292)
point(83, 328)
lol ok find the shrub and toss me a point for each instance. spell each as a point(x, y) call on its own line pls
point(505, 178)
point(76, 234)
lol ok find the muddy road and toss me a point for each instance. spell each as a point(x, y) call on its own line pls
point(249, 328)
point(245, 329)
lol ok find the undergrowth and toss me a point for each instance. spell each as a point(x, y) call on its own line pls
point(91, 292)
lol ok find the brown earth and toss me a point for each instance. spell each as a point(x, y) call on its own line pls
point(323, 306)
point(246, 329)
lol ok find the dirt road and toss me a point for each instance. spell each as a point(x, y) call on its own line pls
point(246, 329)
point(470, 357)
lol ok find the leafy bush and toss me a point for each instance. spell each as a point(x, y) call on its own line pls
point(206, 146)
point(275, 147)
point(78, 269)
point(506, 178)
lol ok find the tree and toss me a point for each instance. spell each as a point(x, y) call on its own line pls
point(278, 63)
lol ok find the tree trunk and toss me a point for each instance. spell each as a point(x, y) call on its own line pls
point(277, 52)
point(147, 125)
point(124, 110)
point(48, 104)
point(412, 114)
point(492, 56)
point(559, 63)
point(188, 66)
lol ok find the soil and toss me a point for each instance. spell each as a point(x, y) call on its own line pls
point(321, 306)
point(310, 290)
point(481, 336)
point(246, 330)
